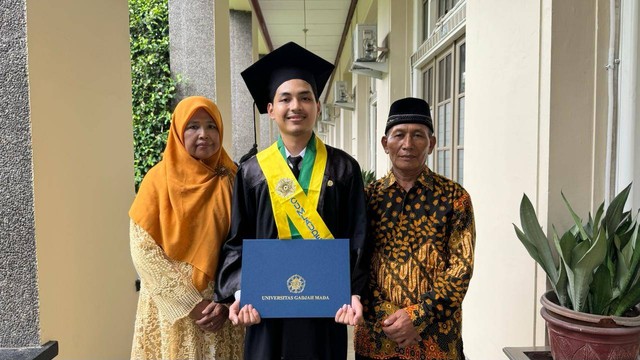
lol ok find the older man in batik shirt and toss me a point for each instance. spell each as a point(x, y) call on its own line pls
point(423, 229)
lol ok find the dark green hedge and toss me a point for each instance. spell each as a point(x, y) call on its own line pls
point(152, 85)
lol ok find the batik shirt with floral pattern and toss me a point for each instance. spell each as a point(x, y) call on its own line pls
point(422, 263)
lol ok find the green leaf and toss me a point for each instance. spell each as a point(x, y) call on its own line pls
point(576, 218)
point(564, 247)
point(531, 248)
point(623, 235)
point(560, 287)
point(533, 235)
point(601, 291)
point(630, 256)
point(614, 215)
point(629, 299)
point(584, 267)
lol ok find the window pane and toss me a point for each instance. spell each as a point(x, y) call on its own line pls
point(447, 163)
point(442, 126)
point(441, 80)
point(442, 7)
point(460, 166)
point(425, 20)
point(426, 83)
point(448, 123)
point(461, 70)
point(447, 79)
point(441, 162)
point(444, 78)
point(460, 121)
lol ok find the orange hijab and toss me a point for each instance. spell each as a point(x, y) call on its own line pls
point(185, 203)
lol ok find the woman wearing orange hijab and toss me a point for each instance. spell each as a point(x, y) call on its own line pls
point(179, 220)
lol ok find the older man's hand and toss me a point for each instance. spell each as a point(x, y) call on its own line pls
point(399, 328)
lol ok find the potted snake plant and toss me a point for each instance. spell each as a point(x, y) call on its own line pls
point(594, 272)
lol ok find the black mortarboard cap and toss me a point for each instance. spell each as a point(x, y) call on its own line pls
point(409, 111)
point(289, 61)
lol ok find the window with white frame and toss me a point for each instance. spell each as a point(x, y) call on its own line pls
point(443, 88)
point(432, 12)
point(444, 6)
point(425, 20)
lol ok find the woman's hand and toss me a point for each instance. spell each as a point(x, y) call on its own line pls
point(196, 313)
point(246, 316)
point(213, 317)
point(350, 314)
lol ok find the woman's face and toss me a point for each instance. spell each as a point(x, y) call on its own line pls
point(201, 136)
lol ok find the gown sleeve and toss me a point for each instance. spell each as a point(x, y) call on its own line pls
point(360, 249)
point(243, 220)
point(167, 281)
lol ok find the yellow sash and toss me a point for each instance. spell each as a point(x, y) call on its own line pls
point(288, 200)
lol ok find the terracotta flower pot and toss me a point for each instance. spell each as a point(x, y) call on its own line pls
point(580, 336)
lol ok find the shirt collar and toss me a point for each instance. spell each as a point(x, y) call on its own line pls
point(301, 152)
point(424, 179)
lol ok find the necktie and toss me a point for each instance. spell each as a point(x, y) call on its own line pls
point(295, 162)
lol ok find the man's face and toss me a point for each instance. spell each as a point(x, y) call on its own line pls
point(408, 146)
point(294, 108)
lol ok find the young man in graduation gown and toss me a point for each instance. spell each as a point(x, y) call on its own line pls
point(286, 84)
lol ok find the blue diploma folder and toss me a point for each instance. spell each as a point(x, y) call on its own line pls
point(296, 278)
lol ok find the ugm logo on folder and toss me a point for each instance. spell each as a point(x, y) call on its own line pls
point(296, 278)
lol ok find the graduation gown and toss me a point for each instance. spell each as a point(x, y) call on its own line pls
point(342, 207)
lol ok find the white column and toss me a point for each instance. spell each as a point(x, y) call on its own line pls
point(628, 164)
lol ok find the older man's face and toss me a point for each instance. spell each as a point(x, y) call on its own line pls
point(408, 146)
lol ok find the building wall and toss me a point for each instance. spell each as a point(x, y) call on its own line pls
point(535, 126)
point(200, 58)
point(242, 119)
point(19, 323)
point(395, 19)
point(80, 92)
point(628, 163)
point(223, 69)
point(354, 130)
point(502, 149)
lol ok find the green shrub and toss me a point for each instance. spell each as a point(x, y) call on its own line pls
point(596, 267)
point(153, 88)
point(368, 176)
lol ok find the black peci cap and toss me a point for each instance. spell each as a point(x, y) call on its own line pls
point(409, 111)
point(289, 61)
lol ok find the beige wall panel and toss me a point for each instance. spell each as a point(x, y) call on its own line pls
point(394, 22)
point(80, 85)
point(501, 162)
point(572, 108)
point(360, 146)
point(535, 107)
